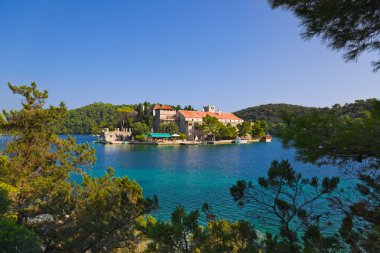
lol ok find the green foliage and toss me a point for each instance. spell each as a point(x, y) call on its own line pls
point(103, 214)
point(90, 119)
point(275, 244)
point(189, 108)
point(352, 26)
point(210, 126)
point(279, 113)
point(140, 138)
point(334, 138)
point(98, 214)
point(272, 112)
point(181, 234)
point(315, 242)
point(259, 128)
point(139, 128)
point(214, 129)
point(13, 237)
point(227, 132)
point(40, 162)
point(286, 200)
point(244, 128)
point(2, 121)
point(144, 114)
point(126, 116)
point(184, 234)
point(5, 201)
point(17, 238)
point(171, 128)
point(232, 237)
point(182, 136)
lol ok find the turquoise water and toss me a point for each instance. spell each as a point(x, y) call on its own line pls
point(192, 175)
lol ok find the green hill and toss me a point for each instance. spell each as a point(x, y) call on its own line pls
point(273, 112)
point(90, 118)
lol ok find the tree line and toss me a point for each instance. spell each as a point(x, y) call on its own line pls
point(93, 118)
point(275, 113)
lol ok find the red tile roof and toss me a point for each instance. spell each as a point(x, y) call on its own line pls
point(197, 114)
point(163, 107)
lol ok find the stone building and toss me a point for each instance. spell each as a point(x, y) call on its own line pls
point(117, 135)
point(163, 114)
point(188, 120)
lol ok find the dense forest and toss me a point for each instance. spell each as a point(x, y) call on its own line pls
point(89, 118)
point(274, 113)
point(94, 117)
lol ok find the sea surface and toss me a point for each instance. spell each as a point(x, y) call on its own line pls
point(190, 176)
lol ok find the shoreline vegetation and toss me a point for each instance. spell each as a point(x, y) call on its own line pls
point(92, 118)
point(176, 142)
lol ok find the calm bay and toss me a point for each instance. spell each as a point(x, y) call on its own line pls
point(192, 175)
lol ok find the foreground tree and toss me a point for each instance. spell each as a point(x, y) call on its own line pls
point(37, 165)
point(349, 25)
point(14, 237)
point(101, 216)
point(184, 234)
point(231, 237)
point(37, 162)
point(286, 200)
point(354, 145)
point(181, 234)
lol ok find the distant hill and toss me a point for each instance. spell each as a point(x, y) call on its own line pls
point(89, 118)
point(94, 117)
point(356, 109)
point(273, 112)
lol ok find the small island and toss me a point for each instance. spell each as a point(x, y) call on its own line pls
point(173, 126)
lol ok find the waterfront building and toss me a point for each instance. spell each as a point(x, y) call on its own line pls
point(162, 114)
point(189, 120)
point(117, 135)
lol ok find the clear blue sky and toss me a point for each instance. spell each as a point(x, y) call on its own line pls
point(233, 54)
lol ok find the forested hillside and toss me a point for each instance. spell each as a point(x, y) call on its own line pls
point(94, 117)
point(90, 118)
point(273, 113)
